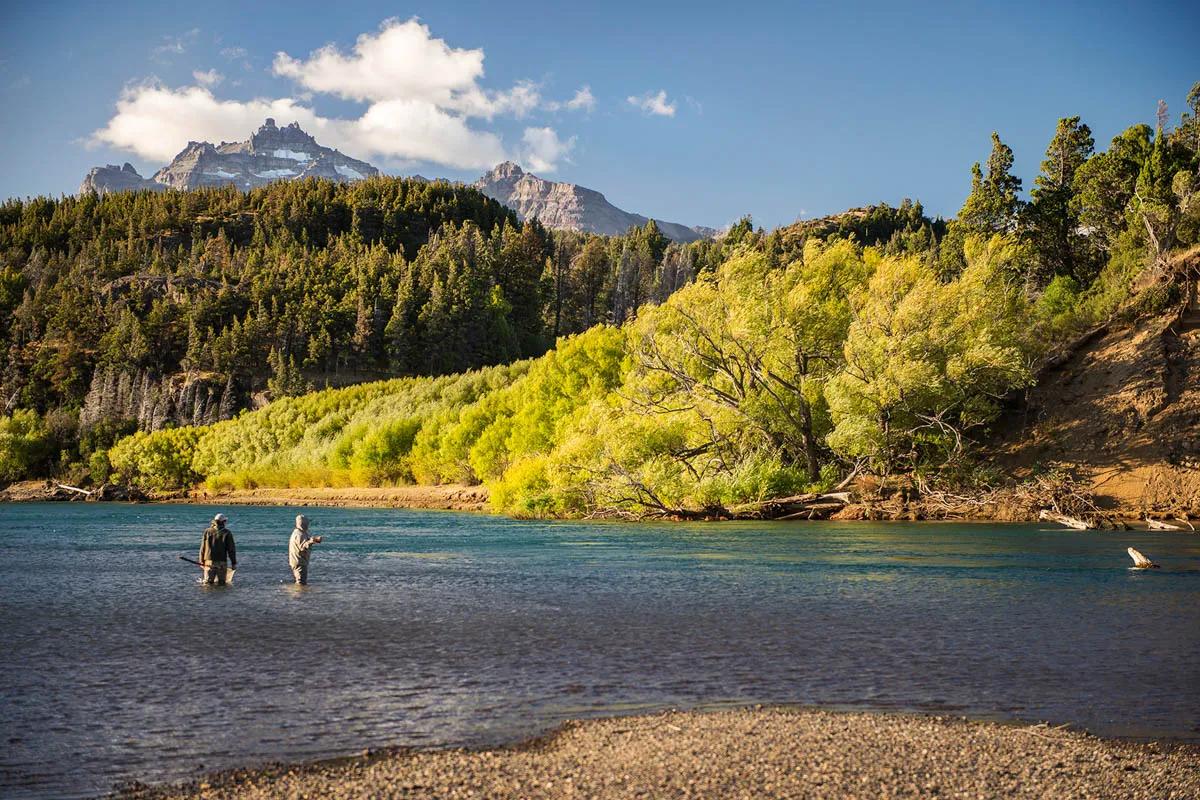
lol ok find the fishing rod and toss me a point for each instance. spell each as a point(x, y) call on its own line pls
point(228, 571)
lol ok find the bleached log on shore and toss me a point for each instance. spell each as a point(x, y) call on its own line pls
point(1062, 519)
point(76, 489)
point(1158, 525)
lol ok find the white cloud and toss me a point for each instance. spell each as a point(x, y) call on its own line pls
point(157, 122)
point(518, 101)
point(175, 45)
point(583, 100)
point(653, 103)
point(403, 61)
point(421, 97)
point(542, 149)
point(207, 78)
point(416, 130)
point(239, 55)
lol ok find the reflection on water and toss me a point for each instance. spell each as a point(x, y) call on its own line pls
point(439, 628)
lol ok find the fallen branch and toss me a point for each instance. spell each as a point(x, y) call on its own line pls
point(1063, 519)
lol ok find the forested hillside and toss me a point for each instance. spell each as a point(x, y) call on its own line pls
point(154, 310)
point(685, 380)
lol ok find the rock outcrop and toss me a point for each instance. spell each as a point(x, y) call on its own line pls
point(112, 178)
point(270, 154)
point(566, 205)
point(155, 401)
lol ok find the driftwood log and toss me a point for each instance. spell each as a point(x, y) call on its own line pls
point(814, 505)
point(1159, 525)
point(105, 491)
point(1139, 560)
point(1063, 519)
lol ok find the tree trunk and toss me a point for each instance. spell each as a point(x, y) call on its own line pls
point(810, 441)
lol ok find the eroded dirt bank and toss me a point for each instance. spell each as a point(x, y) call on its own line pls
point(1122, 412)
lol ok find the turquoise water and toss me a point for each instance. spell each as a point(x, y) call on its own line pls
point(441, 628)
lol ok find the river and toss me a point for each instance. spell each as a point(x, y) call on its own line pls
point(440, 628)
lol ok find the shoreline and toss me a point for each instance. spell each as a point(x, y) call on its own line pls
point(775, 751)
point(449, 497)
point(475, 499)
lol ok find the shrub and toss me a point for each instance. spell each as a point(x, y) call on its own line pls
point(159, 461)
point(26, 446)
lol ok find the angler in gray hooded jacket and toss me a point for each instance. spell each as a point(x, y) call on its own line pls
point(299, 549)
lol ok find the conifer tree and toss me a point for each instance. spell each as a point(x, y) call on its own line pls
point(992, 207)
point(1104, 185)
point(1059, 245)
point(1154, 203)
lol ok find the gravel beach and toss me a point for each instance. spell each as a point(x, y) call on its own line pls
point(748, 753)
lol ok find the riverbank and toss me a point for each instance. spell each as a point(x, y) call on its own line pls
point(433, 498)
point(774, 752)
point(867, 500)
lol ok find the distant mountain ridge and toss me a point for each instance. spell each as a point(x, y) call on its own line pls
point(288, 153)
point(568, 206)
point(270, 154)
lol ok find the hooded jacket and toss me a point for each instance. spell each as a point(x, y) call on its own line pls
point(217, 546)
point(300, 545)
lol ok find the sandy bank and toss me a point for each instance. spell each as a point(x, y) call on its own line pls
point(450, 498)
point(743, 754)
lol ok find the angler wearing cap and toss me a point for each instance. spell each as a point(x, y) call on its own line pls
point(299, 549)
point(217, 551)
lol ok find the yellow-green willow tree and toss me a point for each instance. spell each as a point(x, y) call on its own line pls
point(927, 362)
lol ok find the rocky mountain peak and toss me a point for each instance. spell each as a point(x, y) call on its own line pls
point(111, 178)
point(270, 154)
point(505, 169)
point(503, 177)
point(269, 137)
point(566, 205)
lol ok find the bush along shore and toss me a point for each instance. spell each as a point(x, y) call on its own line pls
point(773, 752)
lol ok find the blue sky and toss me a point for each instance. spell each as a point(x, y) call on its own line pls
point(780, 110)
